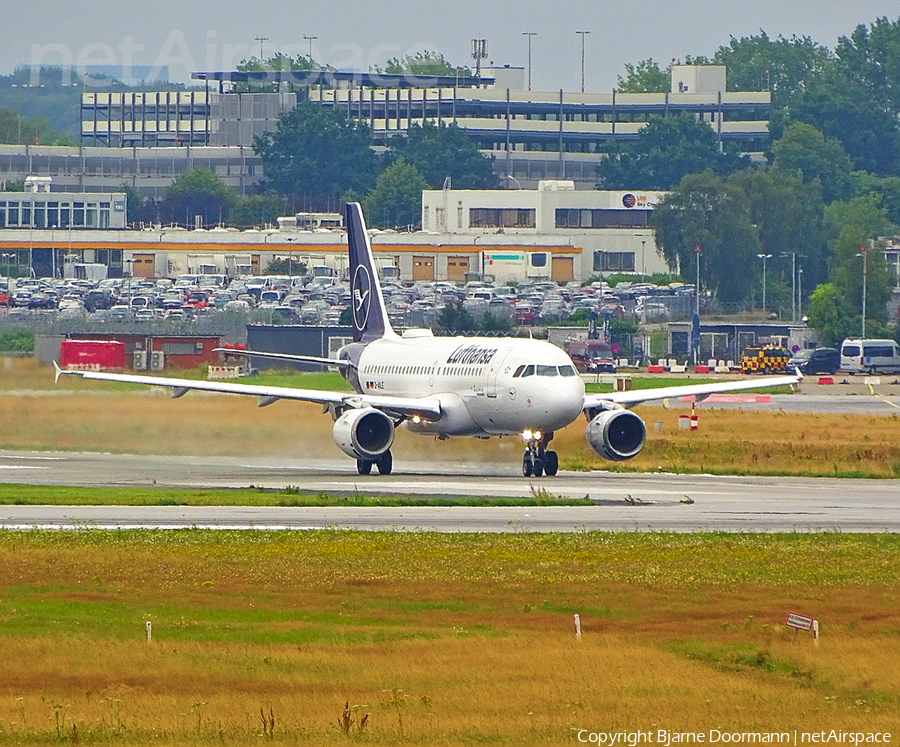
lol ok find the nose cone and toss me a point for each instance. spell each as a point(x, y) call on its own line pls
point(560, 401)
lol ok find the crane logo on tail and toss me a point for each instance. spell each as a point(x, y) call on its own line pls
point(362, 296)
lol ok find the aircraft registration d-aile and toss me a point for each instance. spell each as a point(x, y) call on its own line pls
point(449, 386)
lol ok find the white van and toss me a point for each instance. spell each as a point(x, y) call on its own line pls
point(870, 356)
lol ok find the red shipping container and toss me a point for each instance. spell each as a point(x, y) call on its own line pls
point(92, 353)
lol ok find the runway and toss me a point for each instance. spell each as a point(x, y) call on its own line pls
point(645, 502)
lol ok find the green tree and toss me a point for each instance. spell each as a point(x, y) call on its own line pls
point(853, 227)
point(199, 192)
point(887, 189)
point(454, 319)
point(871, 57)
point(425, 63)
point(666, 150)
point(788, 214)
point(803, 148)
point(704, 211)
point(645, 77)
point(830, 314)
point(257, 210)
point(783, 66)
point(317, 151)
point(134, 203)
point(396, 199)
point(439, 151)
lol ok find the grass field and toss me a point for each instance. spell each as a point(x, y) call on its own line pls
point(80, 415)
point(445, 640)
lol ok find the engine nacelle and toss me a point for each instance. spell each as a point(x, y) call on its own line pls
point(364, 433)
point(616, 435)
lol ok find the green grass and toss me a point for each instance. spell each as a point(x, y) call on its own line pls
point(44, 495)
point(641, 383)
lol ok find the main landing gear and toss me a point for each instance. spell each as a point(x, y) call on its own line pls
point(538, 460)
point(385, 464)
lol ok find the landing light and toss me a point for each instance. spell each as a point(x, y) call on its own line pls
point(416, 419)
point(526, 435)
point(537, 435)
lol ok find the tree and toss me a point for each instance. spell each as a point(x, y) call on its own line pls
point(427, 64)
point(788, 214)
point(830, 314)
point(665, 151)
point(439, 151)
point(645, 77)
point(199, 192)
point(871, 57)
point(257, 210)
point(803, 148)
point(396, 199)
point(317, 151)
point(783, 66)
point(852, 226)
point(134, 203)
point(704, 211)
point(887, 190)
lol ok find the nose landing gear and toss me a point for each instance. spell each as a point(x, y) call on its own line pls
point(538, 460)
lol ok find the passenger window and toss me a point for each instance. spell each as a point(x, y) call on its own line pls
point(518, 372)
point(547, 371)
point(566, 371)
point(529, 371)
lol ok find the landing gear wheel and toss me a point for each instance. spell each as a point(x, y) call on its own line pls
point(527, 465)
point(551, 463)
point(385, 463)
point(538, 468)
point(364, 466)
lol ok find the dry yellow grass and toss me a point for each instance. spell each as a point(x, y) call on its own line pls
point(442, 640)
point(92, 416)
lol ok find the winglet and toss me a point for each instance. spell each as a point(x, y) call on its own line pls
point(59, 372)
point(370, 319)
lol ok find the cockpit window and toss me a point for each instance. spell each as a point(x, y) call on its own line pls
point(547, 371)
point(567, 371)
point(529, 371)
point(518, 372)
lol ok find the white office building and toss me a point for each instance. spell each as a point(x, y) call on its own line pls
point(610, 229)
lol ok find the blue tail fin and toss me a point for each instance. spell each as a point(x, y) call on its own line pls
point(370, 319)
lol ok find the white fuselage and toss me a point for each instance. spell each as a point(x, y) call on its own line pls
point(486, 386)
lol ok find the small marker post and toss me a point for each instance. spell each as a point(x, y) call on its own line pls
point(149, 631)
point(815, 629)
point(577, 628)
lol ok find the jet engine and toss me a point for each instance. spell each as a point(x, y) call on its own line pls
point(616, 435)
point(364, 433)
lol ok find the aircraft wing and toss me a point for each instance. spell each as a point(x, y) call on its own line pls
point(636, 397)
point(286, 357)
point(427, 409)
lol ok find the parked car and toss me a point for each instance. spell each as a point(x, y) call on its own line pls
point(814, 361)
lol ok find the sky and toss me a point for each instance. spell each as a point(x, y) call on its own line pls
point(356, 35)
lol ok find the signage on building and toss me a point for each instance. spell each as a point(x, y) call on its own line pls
point(640, 200)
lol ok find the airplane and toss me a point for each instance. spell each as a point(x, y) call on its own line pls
point(448, 386)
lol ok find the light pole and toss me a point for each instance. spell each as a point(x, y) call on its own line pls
point(697, 292)
point(529, 34)
point(800, 293)
point(261, 39)
point(129, 262)
point(862, 253)
point(8, 257)
point(764, 257)
point(310, 39)
point(793, 256)
point(518, 186)
point(582, 34)
point(290, 240)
